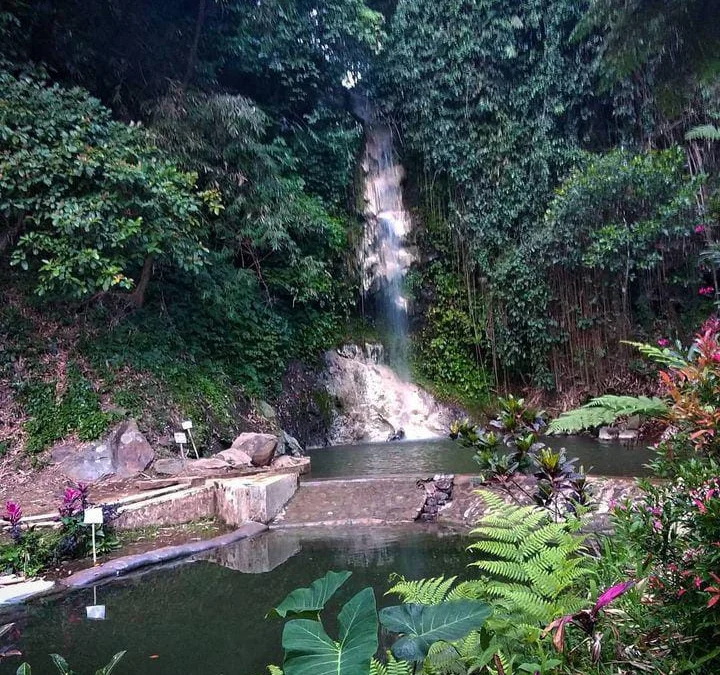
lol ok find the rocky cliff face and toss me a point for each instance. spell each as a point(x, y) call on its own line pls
point(357, 398)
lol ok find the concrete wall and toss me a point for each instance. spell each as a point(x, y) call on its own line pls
point(233, 501)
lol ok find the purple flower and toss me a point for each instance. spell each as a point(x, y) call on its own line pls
point(663, 342)
point(706, 290)
point(609, 595)
point(13, 515)
point(699, 229)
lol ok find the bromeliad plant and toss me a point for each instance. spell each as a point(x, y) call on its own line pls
point(510, 445)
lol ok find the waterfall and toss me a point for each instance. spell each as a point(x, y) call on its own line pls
point(384, 256)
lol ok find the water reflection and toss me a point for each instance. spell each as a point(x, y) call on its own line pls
point(204, 617)
point(447, 456)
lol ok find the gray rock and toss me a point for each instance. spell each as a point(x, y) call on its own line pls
point(633, 422)
point(259, 447)
point(88, 463)
point(169, 466)
point(133, 453)
point(627, 434)
point(235, 457)
point(123, 453)
point(266, 410)
point(292, 445)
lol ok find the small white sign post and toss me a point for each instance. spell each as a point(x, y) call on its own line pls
point(93, 517)
point(187, 426)
point(181, 440)
point(95, 612)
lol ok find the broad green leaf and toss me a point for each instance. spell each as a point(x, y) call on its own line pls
point(110, 666)
point(61, 664)
point(423, 625)
point(310, 651)
point(24, 669)
point(312, 599)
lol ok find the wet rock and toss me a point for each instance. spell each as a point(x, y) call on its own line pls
point(397, 435)
point(627, 434)
point(288, 445)
point(607, 433)
point(438, 494)
point(259, 447)
point(301, 464)
point(235, 457)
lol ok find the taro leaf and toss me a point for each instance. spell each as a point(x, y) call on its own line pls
point(311, 600)
point(423, 625)
point(24, 669)
point(110, 666)
point(310, 651)
point(61, 664)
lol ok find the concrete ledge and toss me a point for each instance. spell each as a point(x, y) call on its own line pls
point(16, 593)
point(260, 499)
point(175, 508)
point(132, 562)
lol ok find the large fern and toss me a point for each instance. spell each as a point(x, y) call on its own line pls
point(532, 566)
point(606, 410)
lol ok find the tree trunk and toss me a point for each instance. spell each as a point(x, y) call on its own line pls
point(192, 58)
point(137, 297)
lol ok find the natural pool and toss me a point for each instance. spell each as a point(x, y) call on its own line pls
point(447, 456)
point(203, 617)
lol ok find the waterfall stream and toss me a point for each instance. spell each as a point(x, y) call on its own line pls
point(384, 255)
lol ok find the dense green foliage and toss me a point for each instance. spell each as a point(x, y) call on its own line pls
point(194, 218)
point(558, 243)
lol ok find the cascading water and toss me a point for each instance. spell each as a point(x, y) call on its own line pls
point(384, 256)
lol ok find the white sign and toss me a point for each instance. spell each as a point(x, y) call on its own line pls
point(93, 516)
point(95, 612)
point(187, 424)
point(180, 438)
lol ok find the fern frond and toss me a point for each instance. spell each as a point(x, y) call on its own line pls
point(467, 590)
point(503, 568)
point(377, 668)
point(423, 591)
point(606, 410)
point(704, 132)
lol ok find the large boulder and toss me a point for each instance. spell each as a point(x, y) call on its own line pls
point(259, 447)
point(123, 453)
point(133, 453)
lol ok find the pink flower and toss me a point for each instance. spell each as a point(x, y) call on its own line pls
point(706, 290)
point(699, 229)
point(716, 357)
point(663, 342)
point(611, 594)
point(13, 513)
point(697, 581)
point(657, 525)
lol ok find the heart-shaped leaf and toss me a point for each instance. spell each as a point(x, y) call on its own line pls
point(311, 600)
point(423, 625)
point(309, 650)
